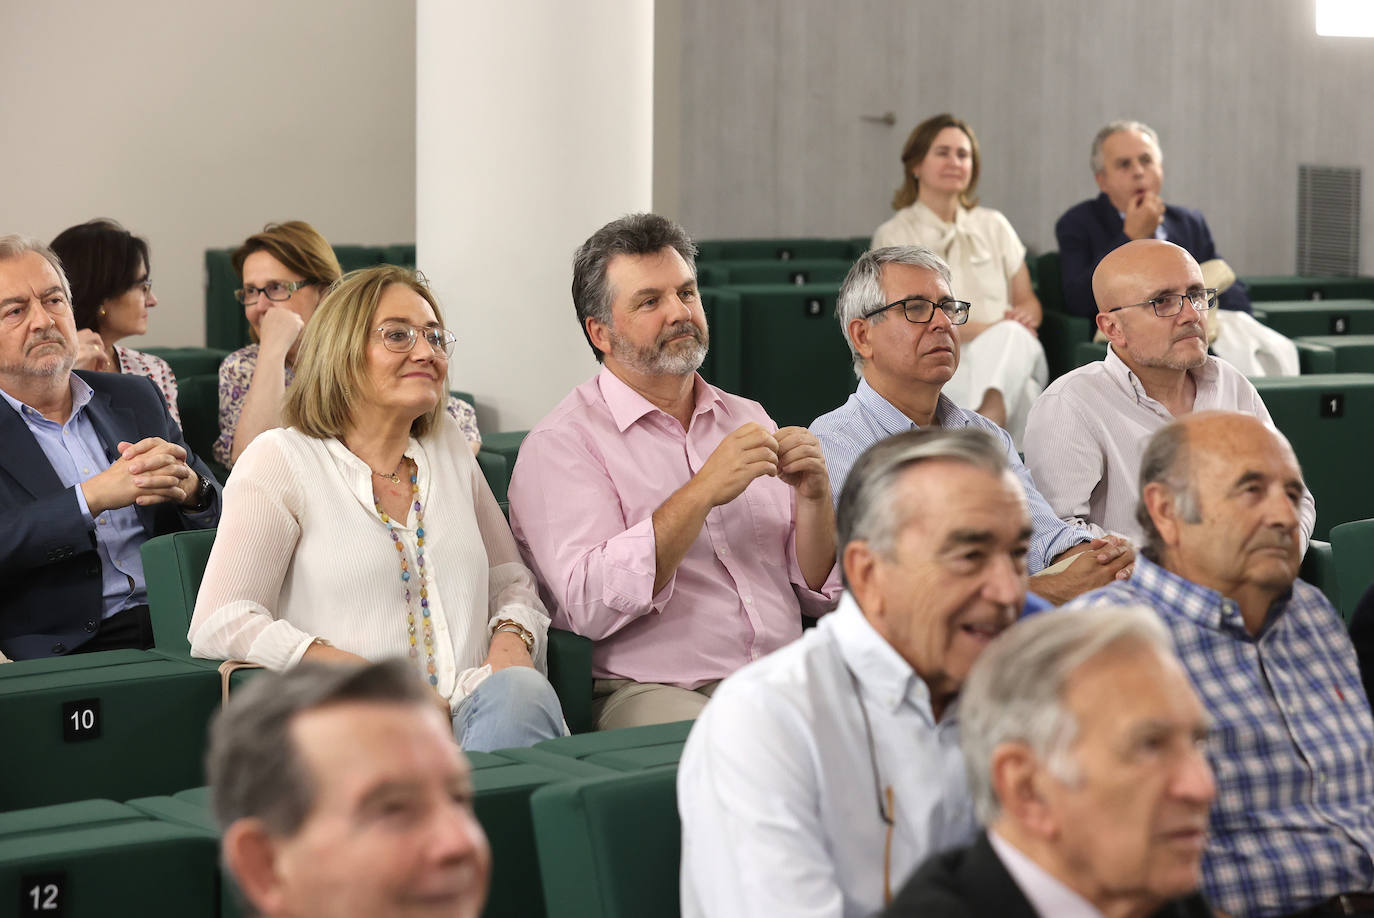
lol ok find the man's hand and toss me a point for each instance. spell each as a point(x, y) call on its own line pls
point(91, 353)
point(151, 471)
point(1096, 564)
point(1144, 213)
point(507, 650)
point(741, 457)
point(801, 464)
point(279, 329)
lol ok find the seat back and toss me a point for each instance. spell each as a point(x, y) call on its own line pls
point(1352, 548)
point(610, 846)
point(173, 566)
point(198, 403)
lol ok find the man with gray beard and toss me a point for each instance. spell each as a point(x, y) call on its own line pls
point(672, 523)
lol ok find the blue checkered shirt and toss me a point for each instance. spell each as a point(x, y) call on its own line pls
point(1292, 742)
point(867, 417)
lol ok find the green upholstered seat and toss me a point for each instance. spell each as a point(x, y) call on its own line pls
point(609, 846)
point(125, 870)
point(1327, 417)
point(190, 361)
point(1066, 339)
point(1314, 357)
point(1319, 569)
point(174, 564)
point(501, 449)
point(1304, 318)
point(354, 257)
point(797, 271)
point(1352, 546)
point(780, 345)
point(83, 813)
point(144, 733)
point(1353, 353)
point(198, 403)
point(402, 254)
point(1297, 287)
point(782, 249)
point(190, 810)
point(226, 327)
point(628, 749)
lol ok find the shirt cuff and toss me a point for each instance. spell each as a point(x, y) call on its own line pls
point(85, 507)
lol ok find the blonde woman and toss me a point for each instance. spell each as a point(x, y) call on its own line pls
point(364, 529)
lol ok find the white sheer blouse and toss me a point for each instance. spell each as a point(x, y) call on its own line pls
point(301, 553)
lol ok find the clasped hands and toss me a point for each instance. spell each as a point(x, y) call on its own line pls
point(151, 471)
point(792, 454)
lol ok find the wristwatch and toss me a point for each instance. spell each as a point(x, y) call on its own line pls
point(511, 626)
point(207, 494)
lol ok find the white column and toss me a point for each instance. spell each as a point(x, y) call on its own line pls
point(534, 126)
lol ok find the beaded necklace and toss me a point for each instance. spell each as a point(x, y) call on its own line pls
point(427, 625)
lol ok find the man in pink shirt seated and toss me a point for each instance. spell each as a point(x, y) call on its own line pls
point(672, 523)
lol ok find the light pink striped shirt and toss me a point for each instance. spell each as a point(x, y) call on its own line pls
point(1087, 432)
point(582, 496)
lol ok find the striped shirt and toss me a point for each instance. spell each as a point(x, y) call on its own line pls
point(868, 417)
point(1292, 742)
point(1087, 432)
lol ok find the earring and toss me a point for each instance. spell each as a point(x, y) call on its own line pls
point(102, 312)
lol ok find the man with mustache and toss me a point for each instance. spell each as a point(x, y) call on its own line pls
point(820, 777)
point(897, 313)
point(1292, 739)
point(672, 523)
point(1086, 431)
point(91, 467)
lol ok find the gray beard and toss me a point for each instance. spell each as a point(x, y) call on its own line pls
point(657, 360)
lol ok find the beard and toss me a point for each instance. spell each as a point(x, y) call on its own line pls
point(46, 365)
point(662, 358)
point(1168, 361)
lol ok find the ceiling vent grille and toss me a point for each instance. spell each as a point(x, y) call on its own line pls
point(1329, 220)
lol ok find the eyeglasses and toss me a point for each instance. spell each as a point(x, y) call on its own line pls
point(1171, 304)
point(400, 338)
point(920, 310)
point(886, 805)
point(276, 291)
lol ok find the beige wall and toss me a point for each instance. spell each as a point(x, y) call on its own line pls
point(193, 123)
point(1241, 92)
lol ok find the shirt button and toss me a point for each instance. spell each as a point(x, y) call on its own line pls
point(102, 521)
point(748, 600)
point(724, 551)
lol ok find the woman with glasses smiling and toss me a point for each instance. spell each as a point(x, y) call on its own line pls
point(285, 270)
point(1001, 364)
point(365, 530)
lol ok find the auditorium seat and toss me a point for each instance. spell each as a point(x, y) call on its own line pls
point(79, 813)
point(784, 249)
point(1352, 545)
point(115, 724)
point(190, 361)
point(1327, 417)
point(610, 845)
point(1299, 318)
point(1061, 334)
point(1298, 287)
point(1353, 353)
point(1319, 569)
point(505, 446)
point(801, 271)
point(627, 749)
point(125, 870)
point(198, 404)
point(226, 327)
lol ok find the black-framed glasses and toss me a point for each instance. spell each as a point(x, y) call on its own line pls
point(920, 310)
point(1171, 304)
point(276, 291)
point(886, 803)
point(400, 337)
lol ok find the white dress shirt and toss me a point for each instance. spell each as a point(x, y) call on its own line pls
point(301, 553)
point(1047, 895)
point(776, 788)
point(1088, 431)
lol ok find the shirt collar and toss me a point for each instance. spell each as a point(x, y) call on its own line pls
point(890, 417)
point(1047, 894)
point(1204, 377)
point(81, 397)
point(886, 678)
point(1199, 604)
point(627, 406)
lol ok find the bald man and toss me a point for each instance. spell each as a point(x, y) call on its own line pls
point(1086, 432)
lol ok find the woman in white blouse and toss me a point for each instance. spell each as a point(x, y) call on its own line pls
point(364, 528)
point(1001, 364)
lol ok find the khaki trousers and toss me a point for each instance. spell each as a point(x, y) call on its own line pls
point(624, 703)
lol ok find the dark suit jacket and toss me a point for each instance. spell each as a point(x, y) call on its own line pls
point(50, 579)
point(1088, 231)
point(972, 883)
point(1362, 636)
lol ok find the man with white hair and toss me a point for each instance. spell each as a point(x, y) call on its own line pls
point(1082, 738)
point(821, 775)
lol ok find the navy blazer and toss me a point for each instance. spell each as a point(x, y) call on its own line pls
point(1088, 231)
point(50, 576)
point(972, 882)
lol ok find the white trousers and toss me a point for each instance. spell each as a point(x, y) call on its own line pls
point(1005, 357)
point(1252, 347)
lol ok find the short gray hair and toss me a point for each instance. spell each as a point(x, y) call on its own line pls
point(1116, 127)
point(14, 245)
point(862, 290)
point(866, 511)
point(1015, 689)
point(254, 768)
point(635, 234)
point(1166, 460)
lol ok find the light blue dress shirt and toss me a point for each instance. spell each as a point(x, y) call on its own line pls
point(776, 786)
point(867, 417)
point(77, 454)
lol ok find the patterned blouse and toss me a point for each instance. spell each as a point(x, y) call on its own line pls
point(235, 375)
point(156, 369)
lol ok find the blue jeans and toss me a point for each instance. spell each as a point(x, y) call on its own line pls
point(514, 707)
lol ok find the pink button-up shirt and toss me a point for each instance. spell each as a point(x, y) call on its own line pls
point(582, 497)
